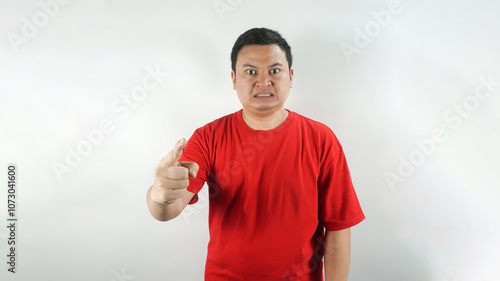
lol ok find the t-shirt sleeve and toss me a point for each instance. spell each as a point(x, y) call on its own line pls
point(339, 206)
point(196, 150)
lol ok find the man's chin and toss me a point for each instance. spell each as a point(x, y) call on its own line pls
point(264, 109)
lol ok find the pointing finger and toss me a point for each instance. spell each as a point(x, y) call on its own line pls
point(173, 156)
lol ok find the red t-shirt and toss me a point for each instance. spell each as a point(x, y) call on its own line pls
point(271, 194)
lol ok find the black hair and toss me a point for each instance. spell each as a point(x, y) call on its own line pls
point(260, 36)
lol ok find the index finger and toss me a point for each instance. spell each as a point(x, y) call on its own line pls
point(173, 156)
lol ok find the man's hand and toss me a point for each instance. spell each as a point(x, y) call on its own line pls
point(172, 177)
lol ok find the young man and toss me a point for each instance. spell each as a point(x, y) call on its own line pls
point(276, 179)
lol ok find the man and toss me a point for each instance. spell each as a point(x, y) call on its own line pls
point(276, 179)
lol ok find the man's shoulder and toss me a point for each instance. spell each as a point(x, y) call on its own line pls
point(306, 123)
point(219, 123)
point(320, 135)
point(313, 124)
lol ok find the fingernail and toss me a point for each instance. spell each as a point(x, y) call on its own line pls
point(181, 141)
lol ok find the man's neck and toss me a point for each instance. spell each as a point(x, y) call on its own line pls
point(265, 121)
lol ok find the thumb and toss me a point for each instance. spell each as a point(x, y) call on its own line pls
point(173, 156)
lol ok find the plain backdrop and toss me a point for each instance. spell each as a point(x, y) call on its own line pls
point(386, 76)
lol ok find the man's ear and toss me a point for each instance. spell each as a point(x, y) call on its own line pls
point(233, 77)
point(291, 77)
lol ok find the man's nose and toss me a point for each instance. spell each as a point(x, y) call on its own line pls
point(264, 80)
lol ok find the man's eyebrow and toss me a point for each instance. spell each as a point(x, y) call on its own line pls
point(273, 65)
point(248, 65)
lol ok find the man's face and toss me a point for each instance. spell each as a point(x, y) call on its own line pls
point(262, 79)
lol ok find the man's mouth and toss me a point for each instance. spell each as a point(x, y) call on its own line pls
point(264, 95)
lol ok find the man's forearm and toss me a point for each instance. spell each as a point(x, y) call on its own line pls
point(164, 212)
point(337, 254)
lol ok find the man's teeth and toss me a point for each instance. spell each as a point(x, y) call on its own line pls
point(264, 95)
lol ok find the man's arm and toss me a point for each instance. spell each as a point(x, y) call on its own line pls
point(165, 211)
point(337, 254)
point(169, 196)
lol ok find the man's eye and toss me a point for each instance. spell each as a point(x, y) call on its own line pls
point(250, 71)
point(274, 71)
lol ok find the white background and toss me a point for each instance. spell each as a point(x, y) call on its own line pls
point(439, 223)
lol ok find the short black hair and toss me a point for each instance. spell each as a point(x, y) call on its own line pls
point(260, 36)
